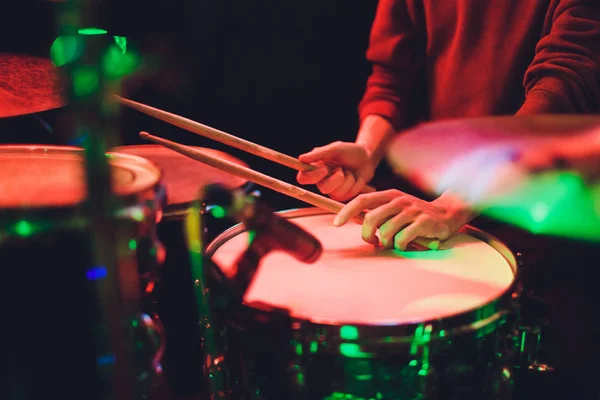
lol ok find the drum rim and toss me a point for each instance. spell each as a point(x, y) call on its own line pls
point(154, 172)
point(480, 320)
point(148, 196)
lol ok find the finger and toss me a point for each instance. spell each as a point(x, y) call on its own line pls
point(359, 204)
point(376, 218)
point(358, 187)
point(327, 152)
point(312, 177)
point(411, 232)
point(340, 194)
point(397, 223)
point(332, 182)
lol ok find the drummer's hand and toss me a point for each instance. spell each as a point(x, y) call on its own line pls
point(352, 169)
point(402, 218)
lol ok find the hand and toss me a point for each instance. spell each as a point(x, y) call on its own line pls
point(352, 169)
point(401, 218)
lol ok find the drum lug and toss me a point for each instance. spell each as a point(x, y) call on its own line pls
point(503, 383)
point(160, 253)
point(149, 337)
point(151, 255)
point(519, 259)
point(528, 347)
point(217, 374)
point(537, 367)
point(518, 292)
point(424, 373)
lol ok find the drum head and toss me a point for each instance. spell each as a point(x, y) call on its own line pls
point(356, 283)
point(183, 176)
point(47, 176)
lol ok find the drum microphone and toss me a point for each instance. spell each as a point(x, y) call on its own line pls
point(281, 234)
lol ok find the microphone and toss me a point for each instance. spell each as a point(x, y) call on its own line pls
point(281, 234)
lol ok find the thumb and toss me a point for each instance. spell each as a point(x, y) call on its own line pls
point(328, 152)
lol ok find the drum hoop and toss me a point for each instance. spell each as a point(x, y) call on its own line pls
point(481, 320)
point(73, 215)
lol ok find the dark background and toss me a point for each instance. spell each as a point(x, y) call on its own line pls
point(284, 74)
point(287, 74)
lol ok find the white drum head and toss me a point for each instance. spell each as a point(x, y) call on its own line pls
point(356, 283)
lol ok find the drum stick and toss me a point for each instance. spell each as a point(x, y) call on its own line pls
point(269, 182)
point(223, 137)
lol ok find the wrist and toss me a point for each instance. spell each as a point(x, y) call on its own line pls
point(374, 135)
point(458, 211)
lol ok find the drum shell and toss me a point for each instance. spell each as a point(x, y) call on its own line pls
point(51, 307)
point(283, 357)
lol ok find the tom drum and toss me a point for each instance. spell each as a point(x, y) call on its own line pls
point(49, 303)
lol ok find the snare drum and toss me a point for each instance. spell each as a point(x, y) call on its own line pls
point(183, 178)
point(49, 298)
point(369, 323)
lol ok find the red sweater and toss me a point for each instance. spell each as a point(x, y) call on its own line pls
point(438, 59)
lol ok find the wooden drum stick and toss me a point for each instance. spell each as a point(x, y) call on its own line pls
point(223, 137)
point(269, 182)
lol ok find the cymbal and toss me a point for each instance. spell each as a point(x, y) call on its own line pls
point(28, 85)
point(477, 159)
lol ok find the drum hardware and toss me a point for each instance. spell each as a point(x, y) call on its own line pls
point(151, 255)
point(271, 231)
point(529, 327)
point(91, 75)
point(214, 362)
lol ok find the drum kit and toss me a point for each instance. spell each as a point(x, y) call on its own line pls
point(280, 306)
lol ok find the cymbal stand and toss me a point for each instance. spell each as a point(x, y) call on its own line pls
point(214, 358)
point(94, 120)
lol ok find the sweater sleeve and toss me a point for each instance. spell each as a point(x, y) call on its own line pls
point(564, 76)
point(395, 53)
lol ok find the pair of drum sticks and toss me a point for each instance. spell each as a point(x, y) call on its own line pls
point(246, 173)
